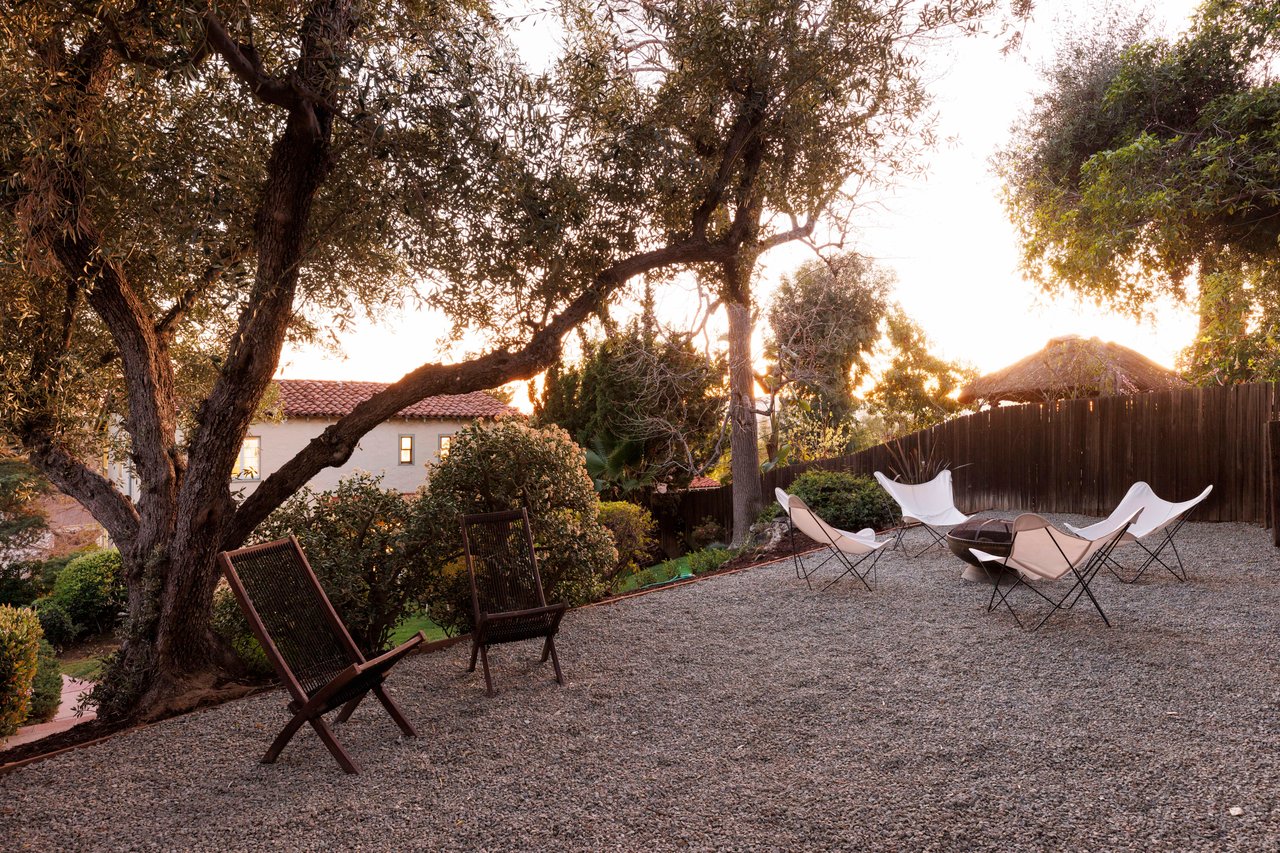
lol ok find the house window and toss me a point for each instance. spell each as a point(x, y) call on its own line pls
point(249, 463)
point(444, 445)
point(406, 450)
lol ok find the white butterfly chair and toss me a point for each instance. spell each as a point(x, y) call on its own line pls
point(1040, 553)
point(1158, 517)
point(930, 504)
point(850, 550)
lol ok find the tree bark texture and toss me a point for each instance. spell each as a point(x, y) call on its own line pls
point(745, 462)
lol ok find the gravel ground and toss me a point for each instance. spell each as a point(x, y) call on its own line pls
point(746, 711)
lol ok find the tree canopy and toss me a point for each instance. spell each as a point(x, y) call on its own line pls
point(824, 322)
point(186, 186)
point(1148, 161)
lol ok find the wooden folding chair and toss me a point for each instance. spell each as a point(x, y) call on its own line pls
point(507, 599)
point(307, 643)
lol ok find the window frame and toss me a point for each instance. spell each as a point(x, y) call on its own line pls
point(443, 440)
point(412, 448)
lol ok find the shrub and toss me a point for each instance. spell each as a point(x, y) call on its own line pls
point(56, 624)
point(17, 586)
point(92, 590)
point(846, 501)
point(46, 689)
point(706, 533)
point(504, 465)
point(19, 656)
point(23, 582)
point(354, 538)
point(230, 624)
point(632, 528)
point(708, 559)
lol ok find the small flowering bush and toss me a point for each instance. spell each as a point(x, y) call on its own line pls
point(19, 657)
point(505, 465)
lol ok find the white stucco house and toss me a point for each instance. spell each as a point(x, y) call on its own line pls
point(400, 449)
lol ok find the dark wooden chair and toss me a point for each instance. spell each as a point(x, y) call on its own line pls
point(507, 599)
point(307, 643)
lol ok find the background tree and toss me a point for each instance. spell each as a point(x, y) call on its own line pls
point(645, 403)
point(22, 522)
point(915, 389)
point(814, 100)
point(824, 322)
point(1148, 162)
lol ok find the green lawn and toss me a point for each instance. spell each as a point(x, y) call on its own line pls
point(654, 574)
point(85, 669)
point(413, 625)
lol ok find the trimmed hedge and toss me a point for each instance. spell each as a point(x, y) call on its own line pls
point(56, 623)
point(19, 658)
point(92, 590)
point(846, 501)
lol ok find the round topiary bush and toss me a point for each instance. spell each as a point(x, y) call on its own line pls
point(846, 501)
point(504, 465)
point(19, 657)
point(46, 690)
point(92, 590)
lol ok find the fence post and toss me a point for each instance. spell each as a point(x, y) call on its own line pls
point(1273, 454)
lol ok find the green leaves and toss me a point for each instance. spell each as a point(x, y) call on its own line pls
point(1149, 161)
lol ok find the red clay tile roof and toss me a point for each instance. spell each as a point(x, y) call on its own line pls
point(323, 398)
point(704, 483)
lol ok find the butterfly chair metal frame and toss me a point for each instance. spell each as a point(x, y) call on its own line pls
point(1158, 516)
point(308, 646)
point(507, 599)
point(928, 505)
point(1090, 556)
point(850, 550)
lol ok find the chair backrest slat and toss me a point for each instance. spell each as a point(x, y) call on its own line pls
point(290, 613)
point(501, 563)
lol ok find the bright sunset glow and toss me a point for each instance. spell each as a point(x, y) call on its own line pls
point(945, 234)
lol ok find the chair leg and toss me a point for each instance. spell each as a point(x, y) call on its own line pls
point(335, 748)
point(484, 659)
point(475, 650)
point(282, 739)
point(393, 710)
point(348, 709)
point(555, 660)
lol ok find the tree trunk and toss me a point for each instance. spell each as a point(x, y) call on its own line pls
point(742, 414)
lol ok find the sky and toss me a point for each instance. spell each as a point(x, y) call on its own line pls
point(944, 233)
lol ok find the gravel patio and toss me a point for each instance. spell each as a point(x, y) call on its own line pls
point(746, 711)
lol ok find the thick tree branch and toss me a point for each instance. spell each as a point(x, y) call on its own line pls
point(93, 490)
point(244, 63)
point(334, 446)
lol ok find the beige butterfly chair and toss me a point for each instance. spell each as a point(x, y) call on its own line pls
point(850, 550)
point(866, 533)
point(1041, 554)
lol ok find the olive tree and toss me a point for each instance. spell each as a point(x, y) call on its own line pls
point(185, 186)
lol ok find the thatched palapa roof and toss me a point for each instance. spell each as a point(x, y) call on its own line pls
point(1070, 367)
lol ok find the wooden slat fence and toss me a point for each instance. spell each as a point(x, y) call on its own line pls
point(1079, 456)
